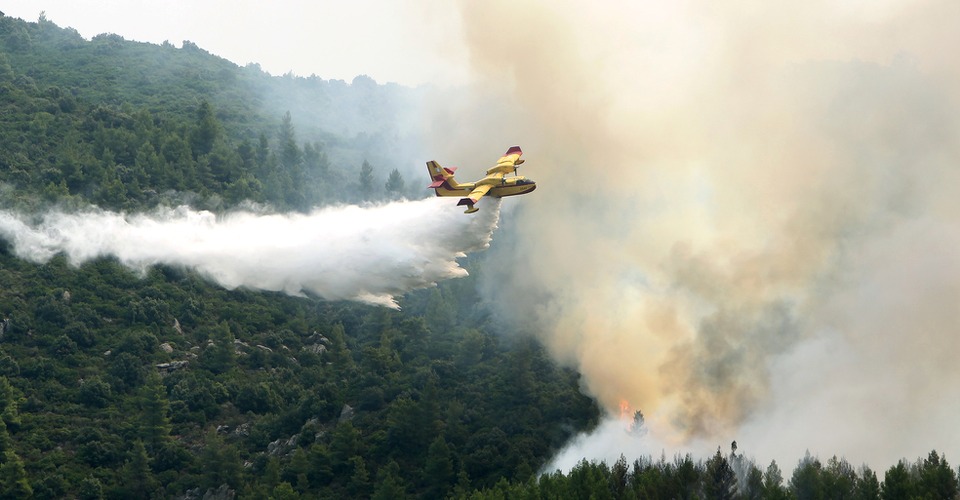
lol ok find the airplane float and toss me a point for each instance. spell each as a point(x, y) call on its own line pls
point(495, 184)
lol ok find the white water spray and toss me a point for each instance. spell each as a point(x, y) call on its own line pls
point(369, 254)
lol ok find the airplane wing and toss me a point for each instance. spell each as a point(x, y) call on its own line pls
point(475, 195)
point(508, 162)
point(511, 156)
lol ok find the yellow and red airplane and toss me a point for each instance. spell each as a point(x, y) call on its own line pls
point(495, 184)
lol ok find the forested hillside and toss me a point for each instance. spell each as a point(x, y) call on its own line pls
point(117, 385)
point(125, 124)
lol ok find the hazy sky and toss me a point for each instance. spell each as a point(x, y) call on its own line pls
point(407, 42)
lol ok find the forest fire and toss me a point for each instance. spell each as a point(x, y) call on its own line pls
point(624, 409)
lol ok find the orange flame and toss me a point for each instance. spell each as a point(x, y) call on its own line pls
point(624, 410)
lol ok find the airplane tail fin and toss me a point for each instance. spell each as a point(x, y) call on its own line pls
point(442, 177)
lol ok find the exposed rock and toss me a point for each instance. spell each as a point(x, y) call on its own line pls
point(318, 338)
point(166, 347)
point(66, 295)
point(346, 413)
point(264, 348)
point(172, 366)
point(281, 447)
point(176, 326)
point(315, 348)
point(222, 493)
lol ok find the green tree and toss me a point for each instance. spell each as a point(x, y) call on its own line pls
point(90, 489)
point(220, 354)
point(806, 482)
point(897, 482)
point(366, 181)
point(390, 485)
point(720, 480)
point(344, 445)
point(127, 371)
point(206, 131)
point(438, 470)
point(935, 478)
point(340, 354)
point(284, 491)
point(359, 485)
point(155, 421)
point(221, 462)
point(839, 479)
point(290, 154)
point(13, 477)
point(867, 488)
point(136, 477)
point(753, 487)
point(395, 184)
point(773, 488)
point(10, 400)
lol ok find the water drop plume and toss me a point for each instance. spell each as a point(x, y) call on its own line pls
point(370, 254)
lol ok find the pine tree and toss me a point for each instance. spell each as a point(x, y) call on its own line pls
point(936, 478)
point(897, 483)
point(366, 181)
point(90, 489)
point(438, 470)
point(155, 422)
point(137, 479)
point(207, 130)
point(13, 477)
point(221, 355)
point(720, 481)
point(390, 485)
point(806, 482)
point(868, 487)
point(395, 184)
point(359, 485)
point(284, 491)
point(773, 487)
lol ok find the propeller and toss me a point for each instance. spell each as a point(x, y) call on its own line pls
point(516, 165)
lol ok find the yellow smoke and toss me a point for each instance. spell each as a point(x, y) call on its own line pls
point(709, 176)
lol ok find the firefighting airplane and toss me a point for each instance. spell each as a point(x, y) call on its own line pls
point(495, 184)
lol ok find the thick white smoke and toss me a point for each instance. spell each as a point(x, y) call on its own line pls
point(369, 254)
point(746, 224)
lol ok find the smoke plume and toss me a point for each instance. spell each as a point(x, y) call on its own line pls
point(369, 254)
point(746, 223)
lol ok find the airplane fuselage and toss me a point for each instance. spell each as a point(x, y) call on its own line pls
point(508, 186)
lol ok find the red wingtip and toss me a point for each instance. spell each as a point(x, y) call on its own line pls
point(512, 150)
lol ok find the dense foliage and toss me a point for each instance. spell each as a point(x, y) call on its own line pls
point(118, 385)
point(126, 125)
point(734, 476)
point(114, 385)
point(166, 383)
